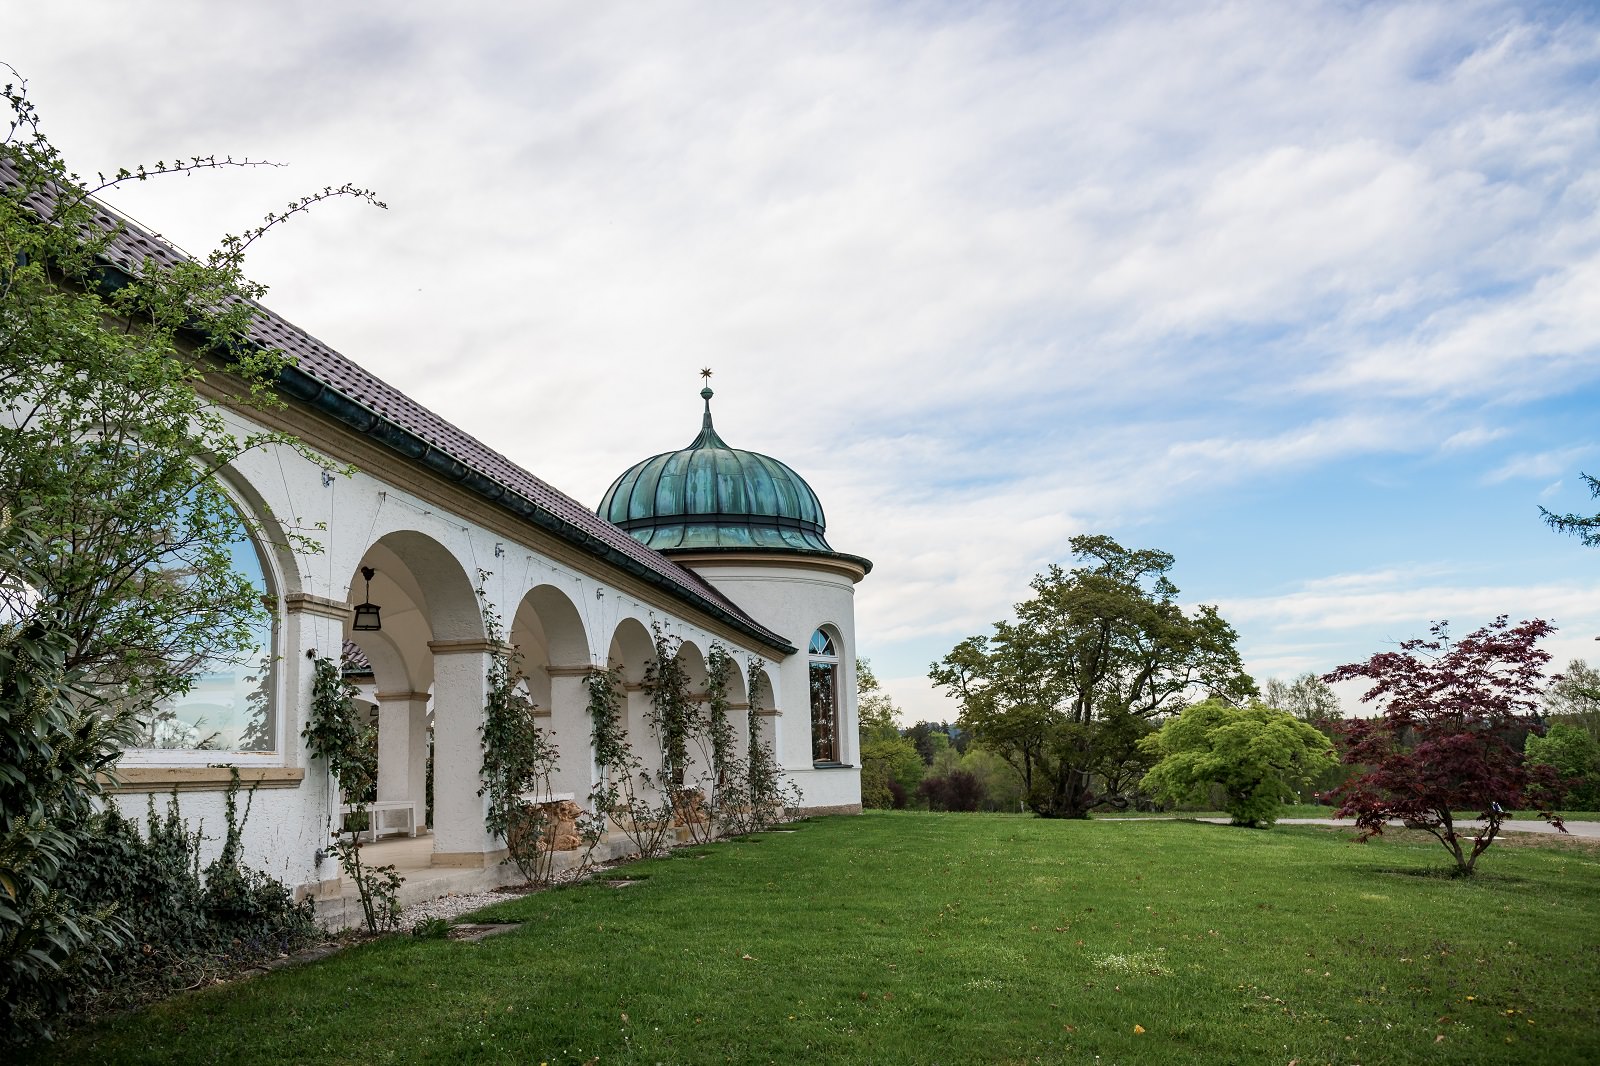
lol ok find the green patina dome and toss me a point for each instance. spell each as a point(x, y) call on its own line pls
point(709, 496)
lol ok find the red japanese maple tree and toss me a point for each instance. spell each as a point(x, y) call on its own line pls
point(1440, 744)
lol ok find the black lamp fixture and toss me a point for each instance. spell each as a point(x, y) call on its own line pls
point(367, 619)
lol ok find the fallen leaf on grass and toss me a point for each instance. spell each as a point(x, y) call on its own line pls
point(1138, 1028)
point(749, 958)
point(1439, 1039)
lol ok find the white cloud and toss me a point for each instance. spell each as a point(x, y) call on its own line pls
point(989, 276)
point(1538, 466)
point(1472, 438)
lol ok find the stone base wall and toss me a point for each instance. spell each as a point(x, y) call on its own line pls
point(838, 808)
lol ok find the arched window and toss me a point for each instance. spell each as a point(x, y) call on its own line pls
point(231, 706)
point(824, 698)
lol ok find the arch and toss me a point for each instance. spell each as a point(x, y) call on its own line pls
point(272, 540)
point(738, 691)
point(762, 692)
point(390, 670)
point(761, 725)
point(630, 648)
point(693, 661)
point(428, 658)
point(553, 627)
point(431, 577)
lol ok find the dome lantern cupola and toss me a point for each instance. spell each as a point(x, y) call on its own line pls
point(712, 497)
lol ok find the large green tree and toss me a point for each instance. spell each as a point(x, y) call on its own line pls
point(1307, 697)
point(1061, 692)
point(1258, 754)
point(1574, 755)
point(891, 769)
point(1575, 697)
point(116, 538)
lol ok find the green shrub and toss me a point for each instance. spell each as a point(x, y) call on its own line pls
point(182, 924)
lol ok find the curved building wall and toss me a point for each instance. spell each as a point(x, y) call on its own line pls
point(795, 596)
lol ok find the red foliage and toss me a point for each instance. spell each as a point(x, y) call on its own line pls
point(1440, 744)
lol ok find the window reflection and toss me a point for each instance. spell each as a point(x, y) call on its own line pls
point(230, 706)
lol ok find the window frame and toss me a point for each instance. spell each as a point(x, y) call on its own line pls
point(826, 658)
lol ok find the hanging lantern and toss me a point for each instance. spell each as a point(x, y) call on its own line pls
point(367, 619)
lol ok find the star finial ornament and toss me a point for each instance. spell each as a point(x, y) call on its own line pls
point(705, 372)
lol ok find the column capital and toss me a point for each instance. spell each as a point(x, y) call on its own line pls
point(408, 697)
point(306, 603)
point(575, 670)
point(469, 646)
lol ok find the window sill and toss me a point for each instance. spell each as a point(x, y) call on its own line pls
point(200, 778)
point(832, 766)
point(191, 758)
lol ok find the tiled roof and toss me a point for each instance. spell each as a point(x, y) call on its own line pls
point(390, 416)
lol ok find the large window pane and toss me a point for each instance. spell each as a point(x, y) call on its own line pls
point(230, 707)
point(824, 697)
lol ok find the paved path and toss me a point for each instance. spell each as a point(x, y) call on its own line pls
point(1586, 830)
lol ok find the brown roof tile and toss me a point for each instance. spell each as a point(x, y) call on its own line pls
point(446, 448)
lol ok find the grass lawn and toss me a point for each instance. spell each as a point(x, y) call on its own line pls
point(944, 938)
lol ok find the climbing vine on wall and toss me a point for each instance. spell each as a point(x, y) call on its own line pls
point(338, 733)
point(625, 794)
point(767, 794)
point(712, 734)
point(519, 758)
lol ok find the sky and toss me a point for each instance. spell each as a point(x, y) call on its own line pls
point(1306, 294)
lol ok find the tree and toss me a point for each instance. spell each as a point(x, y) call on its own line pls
point(1440, 744)
point(1585, 527)
point(875, 709)
point(1047, 692)
point(1310, 699)
point(1574, 755)
point(930, 739)
point(116, 576)
point(1258, 754)
point(1307, 697)
point(1575, 697)
point(891, 769)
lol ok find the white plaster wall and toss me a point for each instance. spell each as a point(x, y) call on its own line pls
point(284, 829)
point(794, 601)
point(346, 515)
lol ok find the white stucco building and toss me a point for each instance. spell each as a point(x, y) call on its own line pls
point(714, 544)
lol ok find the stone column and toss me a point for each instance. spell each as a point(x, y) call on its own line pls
point(571, 731)
point(403, 748)
point(313, 626)
point(636, 712)
point(460, 689)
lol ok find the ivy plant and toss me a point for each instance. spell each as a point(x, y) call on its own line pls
point(339, 734)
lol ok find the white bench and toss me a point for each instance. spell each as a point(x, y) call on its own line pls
point(385, 816)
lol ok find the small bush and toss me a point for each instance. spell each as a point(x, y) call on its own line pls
point(431, 929)
point(957, 790)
